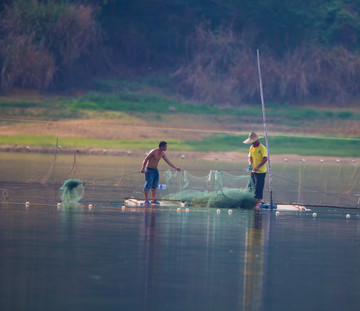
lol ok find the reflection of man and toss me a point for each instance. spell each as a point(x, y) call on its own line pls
point(149, 167)
point(254, 265)
point(257, 159)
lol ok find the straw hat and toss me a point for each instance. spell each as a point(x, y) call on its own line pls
point(253, 137)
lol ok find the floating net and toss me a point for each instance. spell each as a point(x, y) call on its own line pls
point(216, 189)
point(72, 191)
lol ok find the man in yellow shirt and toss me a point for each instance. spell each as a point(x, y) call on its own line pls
point(257, 163)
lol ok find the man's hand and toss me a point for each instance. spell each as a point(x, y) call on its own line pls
point(178, 169)
point(142, 170)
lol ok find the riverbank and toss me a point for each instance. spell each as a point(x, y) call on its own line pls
point(39, 124)
point(210, 156)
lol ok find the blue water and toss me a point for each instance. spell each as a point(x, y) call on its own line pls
point(161, 259)
point(107, 258)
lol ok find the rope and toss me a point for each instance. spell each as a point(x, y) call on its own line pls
point(107, 207)
point(312, 188)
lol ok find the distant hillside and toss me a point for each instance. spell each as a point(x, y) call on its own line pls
point(205, 49)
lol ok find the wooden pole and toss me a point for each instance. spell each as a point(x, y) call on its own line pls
point(265, 129)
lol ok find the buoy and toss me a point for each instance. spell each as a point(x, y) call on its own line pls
point(218, 211)
point(182, 156)
point(303, 160)
point(90, 206)
point(314, 214)
point(178, 209)
point(337, 161)
point(123, 207)
point(27, 203)
point(322, 161)
point(230, 211)
point(285, 160)
point(347, 216)
point(187, 210)
point(277, 213)
point(58, 205)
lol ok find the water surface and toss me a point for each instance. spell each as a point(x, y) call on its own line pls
point(107, 258)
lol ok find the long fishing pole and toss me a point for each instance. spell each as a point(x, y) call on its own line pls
point(265, 129)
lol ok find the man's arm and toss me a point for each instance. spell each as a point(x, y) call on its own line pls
point(169, 162)
point(264, 160)
point(146, 160)
point(250, 160)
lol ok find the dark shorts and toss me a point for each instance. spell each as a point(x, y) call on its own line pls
point(257, 184)
point(151, 178)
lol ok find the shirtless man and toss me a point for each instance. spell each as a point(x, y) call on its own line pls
point(149, 167)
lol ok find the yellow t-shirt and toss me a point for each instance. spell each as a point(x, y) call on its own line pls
point(257, 154)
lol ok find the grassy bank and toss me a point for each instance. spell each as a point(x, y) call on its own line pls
point(150, 104)
point(318, 146)
point(149, 101)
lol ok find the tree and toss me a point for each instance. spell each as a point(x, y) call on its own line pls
point(39, 40)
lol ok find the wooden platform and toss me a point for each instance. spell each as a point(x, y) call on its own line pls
point(138, 203)
point(291, 207)
point(141, 203)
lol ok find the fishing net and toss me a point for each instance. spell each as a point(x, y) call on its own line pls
point(216, 189)
point(72, 191)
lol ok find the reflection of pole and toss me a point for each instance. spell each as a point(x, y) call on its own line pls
point(253, 270)
point(148, 229)
point(55, 155)
point(265, 129)
point(299, 185)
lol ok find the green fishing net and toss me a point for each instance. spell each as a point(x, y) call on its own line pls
point(72, 191)
point(216, 189)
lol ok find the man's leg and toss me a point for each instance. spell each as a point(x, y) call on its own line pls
point(155, 185)
point(153, 194)
point(148, 182)
point(258, 204)
point(146, 193)
point(259, 188)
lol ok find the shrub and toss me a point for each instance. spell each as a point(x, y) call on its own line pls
point(40, 39)
point(223, 71)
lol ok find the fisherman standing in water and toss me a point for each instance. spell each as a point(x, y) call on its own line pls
point(149, 167)
point(257, 158)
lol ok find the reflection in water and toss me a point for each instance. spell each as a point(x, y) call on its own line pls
point(147, 236)
point(254, 259)
point(202, 268)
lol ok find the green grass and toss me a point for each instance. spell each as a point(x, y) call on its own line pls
point(282, 145)
point(147, 98)
point(218, 142)
point(141, 98)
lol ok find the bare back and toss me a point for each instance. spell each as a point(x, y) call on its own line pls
point(154, 157)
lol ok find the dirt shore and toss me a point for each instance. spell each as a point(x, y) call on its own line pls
point(179, 128)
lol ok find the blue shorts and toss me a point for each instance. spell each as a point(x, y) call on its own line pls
point(151, 178)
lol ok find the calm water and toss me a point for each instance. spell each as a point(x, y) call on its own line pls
point(107, 258)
